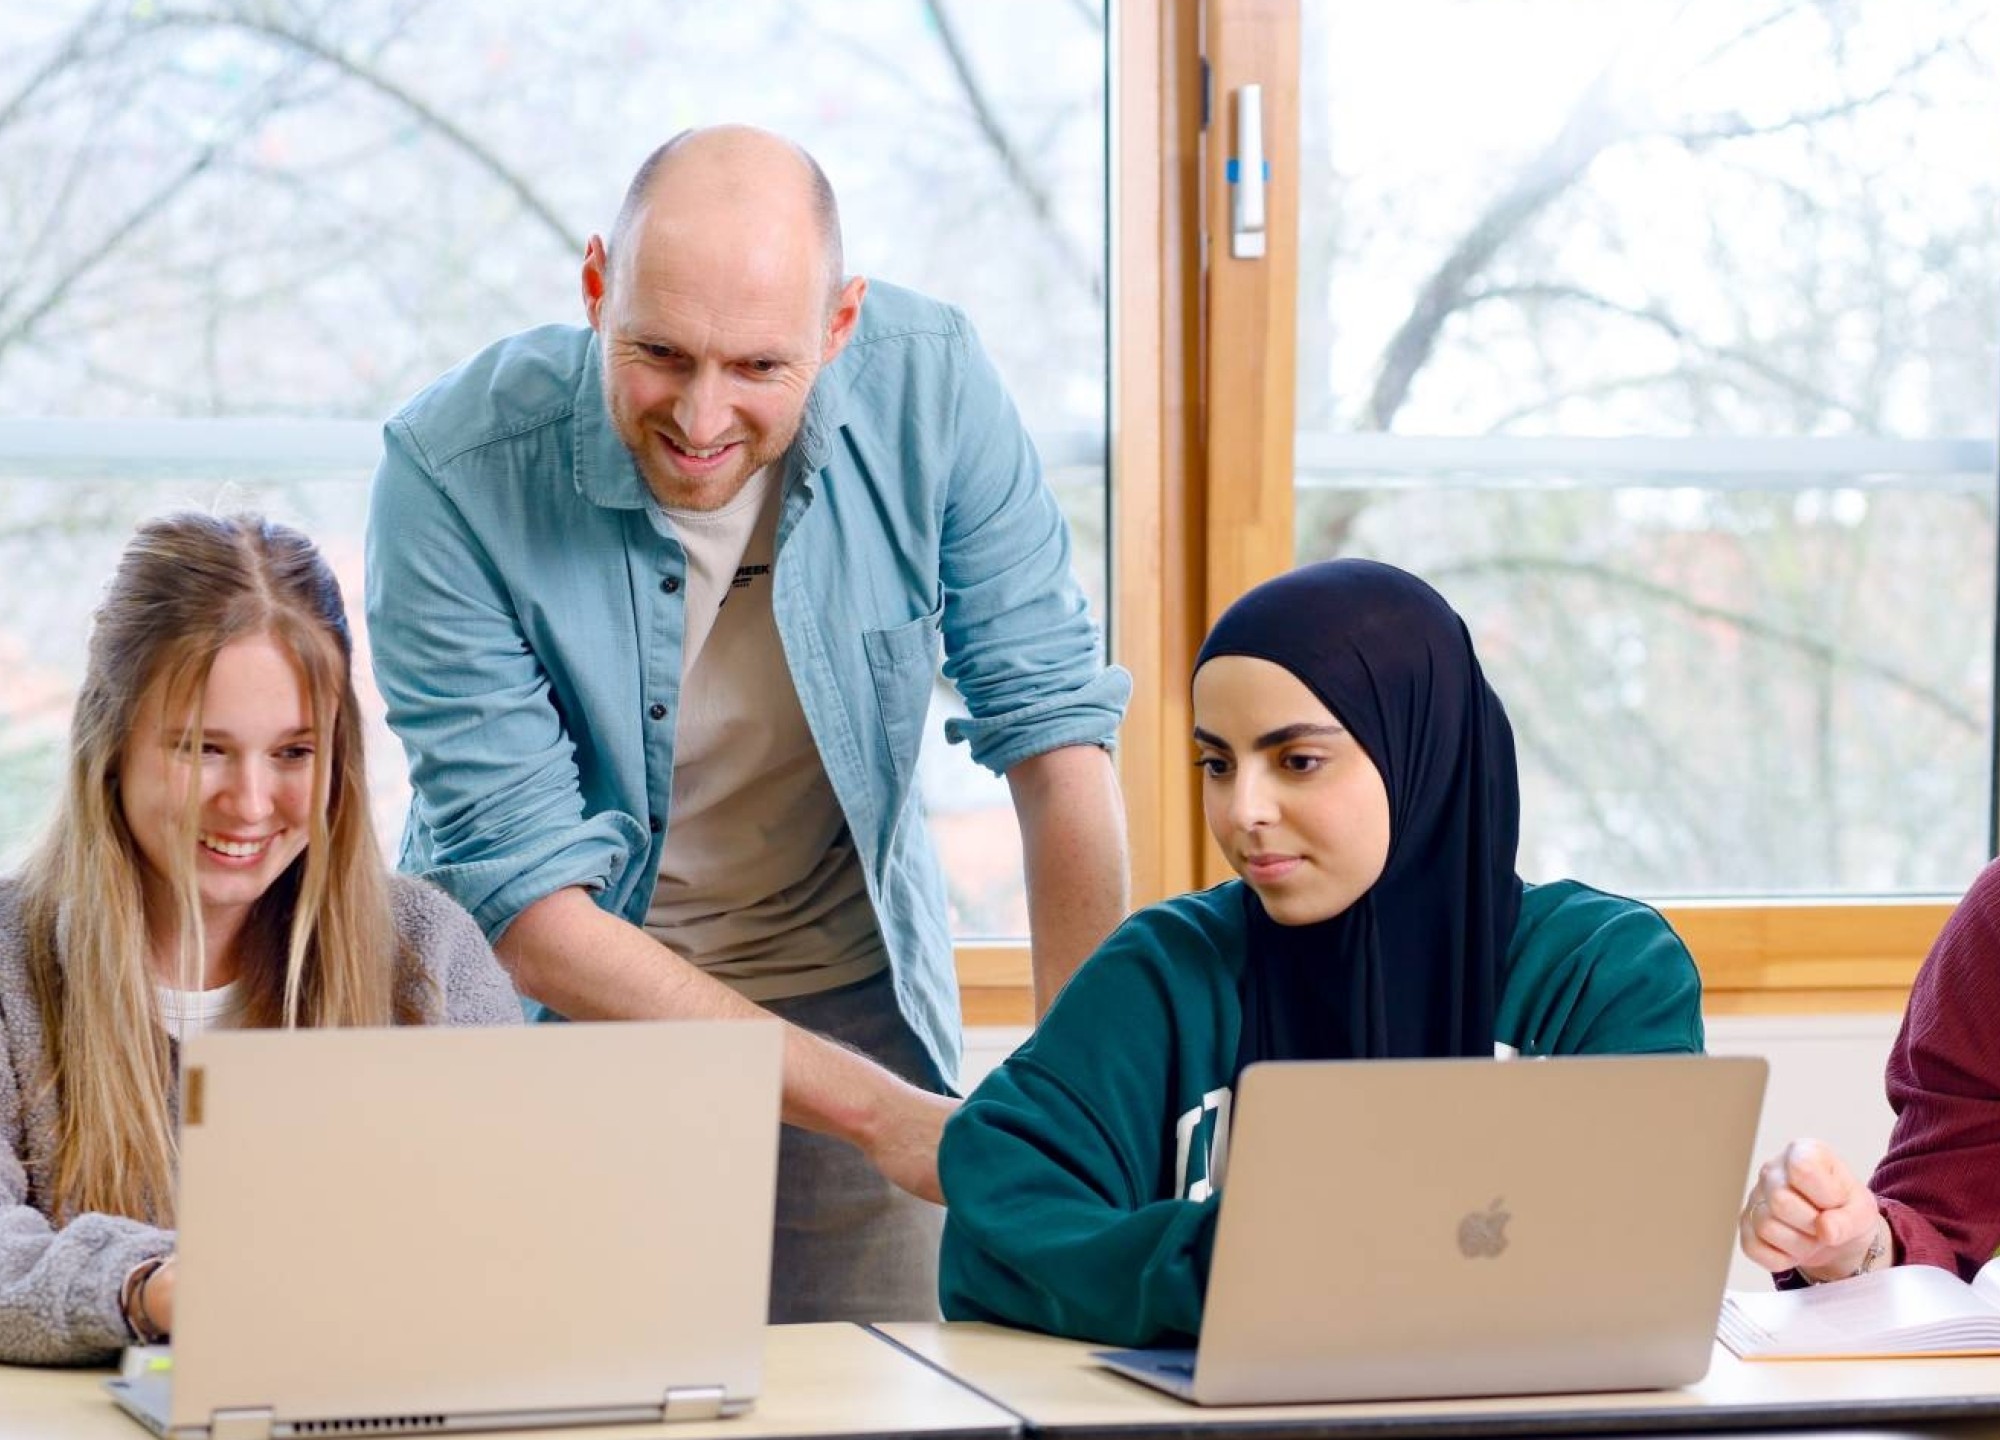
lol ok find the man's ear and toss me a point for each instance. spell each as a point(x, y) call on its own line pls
point(596, 272)
point(846, 315)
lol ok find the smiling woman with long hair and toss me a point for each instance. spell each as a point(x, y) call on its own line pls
point(1358, 774)
point(211, 863)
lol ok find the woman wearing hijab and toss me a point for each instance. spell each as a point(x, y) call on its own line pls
point(1359, 775)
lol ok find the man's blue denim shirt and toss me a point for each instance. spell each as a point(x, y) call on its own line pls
point(525, 613)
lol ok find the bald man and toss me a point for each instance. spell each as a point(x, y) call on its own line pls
point(657, 608)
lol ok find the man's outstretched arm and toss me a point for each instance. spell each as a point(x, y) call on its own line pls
point(580, 962)
point(1073, 842)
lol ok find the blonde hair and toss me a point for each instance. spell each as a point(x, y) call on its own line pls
point(319, 947)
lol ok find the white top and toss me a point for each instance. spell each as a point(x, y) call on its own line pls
point(189, 1012)
point(759, 882)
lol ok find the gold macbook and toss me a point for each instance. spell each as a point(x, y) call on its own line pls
point(1410, 1229)
point(432, 1230)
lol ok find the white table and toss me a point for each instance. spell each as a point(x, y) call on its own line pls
point(1057, 1390)
point(819, 1380)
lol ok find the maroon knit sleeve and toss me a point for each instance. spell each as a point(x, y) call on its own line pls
point(1940, 1182)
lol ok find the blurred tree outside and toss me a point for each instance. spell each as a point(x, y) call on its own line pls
point(1522, 218)
point(282, 209)
point(1666, 222)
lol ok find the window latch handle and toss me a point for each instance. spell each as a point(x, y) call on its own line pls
point(1248, 172)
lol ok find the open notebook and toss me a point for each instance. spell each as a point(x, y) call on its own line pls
point(1903, 1311)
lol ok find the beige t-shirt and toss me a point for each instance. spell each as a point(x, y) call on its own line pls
point(759, 881)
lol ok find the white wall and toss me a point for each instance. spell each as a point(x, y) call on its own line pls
point(1826, 1081)
point(985, 1047)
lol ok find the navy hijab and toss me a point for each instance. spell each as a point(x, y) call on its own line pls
point(1411, 968)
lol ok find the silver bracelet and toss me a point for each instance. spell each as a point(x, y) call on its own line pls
point(1878, 1246)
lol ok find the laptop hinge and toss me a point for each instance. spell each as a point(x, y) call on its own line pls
point(693, 1402)
point(241, 1423)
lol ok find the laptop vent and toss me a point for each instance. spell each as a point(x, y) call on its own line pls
point(377, 1425)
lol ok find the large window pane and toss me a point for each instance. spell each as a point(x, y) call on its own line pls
point(1663, 338)
point(283, 211)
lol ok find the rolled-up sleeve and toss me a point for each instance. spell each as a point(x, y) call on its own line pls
point(1019, 641)
point(498, 819)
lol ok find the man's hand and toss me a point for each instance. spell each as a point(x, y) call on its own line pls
point(1807, 1212)
point(583, 963)
point(903, 1142)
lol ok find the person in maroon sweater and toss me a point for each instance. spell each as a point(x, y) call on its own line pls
point(1935, 1198)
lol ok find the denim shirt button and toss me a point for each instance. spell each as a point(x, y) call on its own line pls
point(657, 711)
point(670, 584)
point(653, 823)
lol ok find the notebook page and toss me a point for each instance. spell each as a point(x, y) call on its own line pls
point(1909, 1307)
point(1986, 1284)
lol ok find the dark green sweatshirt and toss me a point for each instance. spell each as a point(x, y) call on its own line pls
point(1075, 1177)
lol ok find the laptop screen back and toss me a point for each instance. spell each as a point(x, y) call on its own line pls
point(422, 1222)
point(1402, 1229)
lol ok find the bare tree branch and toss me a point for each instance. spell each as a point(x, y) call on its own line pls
point(1593, 126)
point(1018, 174)
point(1772, 18)
point(259, 23)
point(65, 54)
point(1558, 762)
point(1734, 126)
point(1566, 762)
point(1601, 389)
point(270, 98)
point(1589, 130)
point(1658, 319)
point(54, 213)
point(1815, 647)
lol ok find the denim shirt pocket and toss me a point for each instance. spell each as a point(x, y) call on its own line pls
point(903, 663)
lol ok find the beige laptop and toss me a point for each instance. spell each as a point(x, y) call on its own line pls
point(435, 1230)
point(1406, 1229)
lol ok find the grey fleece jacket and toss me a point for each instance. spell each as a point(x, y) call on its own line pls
point(59, 1287)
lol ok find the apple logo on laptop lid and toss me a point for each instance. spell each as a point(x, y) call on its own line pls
point(1482, 1235)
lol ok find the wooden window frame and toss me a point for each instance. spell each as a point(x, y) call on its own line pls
point(1837, 958)
point(1202, 500)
